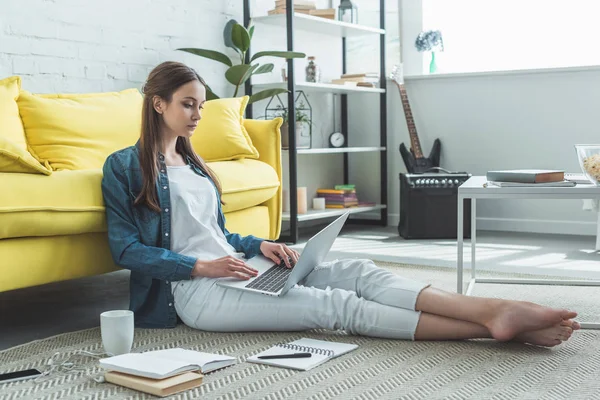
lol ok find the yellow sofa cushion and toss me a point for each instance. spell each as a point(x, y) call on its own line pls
point(78, 131)
point(64, 203)
point(249, 221)
point(245, 183)
point(70, 202)
point(17, 159)
point(11, 127)
point(220, 134)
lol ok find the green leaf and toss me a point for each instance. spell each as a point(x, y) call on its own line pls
point(264, 69)
point(227, 34)
point(210, 95)
point(265, 94)
point(251, 32)
point(210, 54)
point(240, 37)
point(235, 75)
point(281, 54)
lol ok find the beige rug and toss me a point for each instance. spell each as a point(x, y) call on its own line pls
point(378, 369)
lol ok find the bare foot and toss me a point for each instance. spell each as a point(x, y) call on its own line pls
point(548, 337)
point(511, 318)
point(573, 324)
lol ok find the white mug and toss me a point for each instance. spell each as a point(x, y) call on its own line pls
point(116, 328)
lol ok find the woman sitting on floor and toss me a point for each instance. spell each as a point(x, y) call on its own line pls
point(174, 241)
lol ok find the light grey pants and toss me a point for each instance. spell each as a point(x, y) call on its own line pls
point(354, 295)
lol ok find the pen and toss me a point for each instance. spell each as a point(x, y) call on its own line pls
point(292, 355)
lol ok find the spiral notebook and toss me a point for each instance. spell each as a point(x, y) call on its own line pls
point(320, 350)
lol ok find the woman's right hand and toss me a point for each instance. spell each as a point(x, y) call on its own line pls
point(224, 267)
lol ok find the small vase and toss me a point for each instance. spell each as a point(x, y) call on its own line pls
point(432, 64)
point(285, 135)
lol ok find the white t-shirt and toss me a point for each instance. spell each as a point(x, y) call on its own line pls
point(194, 228)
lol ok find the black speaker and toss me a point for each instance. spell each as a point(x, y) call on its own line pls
point(428, 206)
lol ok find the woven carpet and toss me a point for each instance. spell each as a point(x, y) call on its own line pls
point(378, 369)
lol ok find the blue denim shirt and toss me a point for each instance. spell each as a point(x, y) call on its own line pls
point(139, 238)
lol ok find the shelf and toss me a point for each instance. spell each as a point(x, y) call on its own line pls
point(319, 87)
point(327, 150)
point(320, 25)
point(331, 212)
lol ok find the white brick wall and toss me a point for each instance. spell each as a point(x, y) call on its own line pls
point(86, 45)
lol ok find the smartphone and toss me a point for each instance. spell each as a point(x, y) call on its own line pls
point(19, 375)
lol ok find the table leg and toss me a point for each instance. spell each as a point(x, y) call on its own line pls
point(473, 235)
point(598, 233)
point(459, 245)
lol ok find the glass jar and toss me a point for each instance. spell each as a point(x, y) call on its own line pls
point(588, 156)
point(313, 72)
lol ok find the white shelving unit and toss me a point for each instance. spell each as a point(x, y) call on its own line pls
point(342, 30)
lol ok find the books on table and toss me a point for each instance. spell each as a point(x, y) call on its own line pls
point(162, 364)
point(565, 183)
point(320, 350)
point(526, 175)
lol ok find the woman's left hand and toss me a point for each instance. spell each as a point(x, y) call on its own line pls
point(278, 252)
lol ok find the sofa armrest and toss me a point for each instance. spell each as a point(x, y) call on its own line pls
point(266, 137)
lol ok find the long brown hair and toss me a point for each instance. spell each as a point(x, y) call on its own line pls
point(163, 81)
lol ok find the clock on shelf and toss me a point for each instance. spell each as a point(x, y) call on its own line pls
point(337, 139)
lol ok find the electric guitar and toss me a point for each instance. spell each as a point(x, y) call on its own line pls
point(414, 160)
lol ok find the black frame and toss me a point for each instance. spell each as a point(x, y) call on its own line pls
point(293, 170)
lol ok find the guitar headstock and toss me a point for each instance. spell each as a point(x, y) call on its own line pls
point(397, 74)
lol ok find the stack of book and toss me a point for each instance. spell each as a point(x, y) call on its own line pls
point(367, 79)
point(343, 196)
point(528, 177)
point(162, 372)
point(300, 6)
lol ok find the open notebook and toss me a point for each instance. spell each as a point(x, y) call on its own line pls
point(162, 364)
point(320, 350)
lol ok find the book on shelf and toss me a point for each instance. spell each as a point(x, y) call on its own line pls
point(278, 11)
point(359, 79)
point(336, 191)
point(158, 387)
point(320, 352)
point(526, 175)
point(162, 364)
point(362, 75)
point(345, 187)
point(564, 183)
point(328, 13)
point(297, 3)
point(352, 83)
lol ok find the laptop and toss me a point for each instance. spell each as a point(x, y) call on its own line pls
point(277, 279)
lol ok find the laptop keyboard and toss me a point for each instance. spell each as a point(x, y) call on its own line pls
point(273, 280)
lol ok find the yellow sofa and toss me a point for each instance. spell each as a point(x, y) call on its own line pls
point(52, 221)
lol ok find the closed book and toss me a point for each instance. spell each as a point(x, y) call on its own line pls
point(278, 11)
point(564, 183)
point(362, 75)
point(526, 175)
point(297, 3)
point(157, 387)
point(351, 83)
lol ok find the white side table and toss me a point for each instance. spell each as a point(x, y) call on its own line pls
point(474, 189)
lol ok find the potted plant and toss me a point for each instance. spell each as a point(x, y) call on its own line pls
point(238, 38)
point(302, 119)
